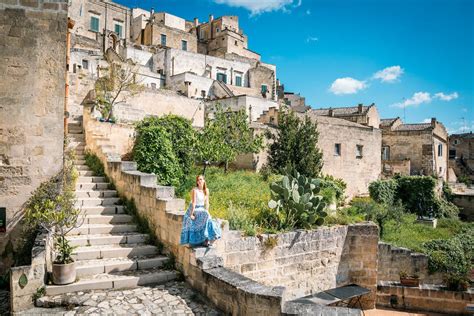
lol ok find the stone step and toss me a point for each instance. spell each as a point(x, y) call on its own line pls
point(86, 172)
point(107, 239)
point(114, 251)
point(86, 268)
point(108, 219)
point(88, 179)
point(97, 201)
point(80, 157)
point(79, 162)
point(92, 186)
point(96, 194)
point(96, 229)
point(75, 131)
point(77, 137)
point(103, 210)
point(83, 166)
point(116, 280)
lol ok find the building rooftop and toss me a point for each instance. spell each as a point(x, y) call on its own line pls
point(413, 127)
point(332, 120)
point(342, 111)
point(463, 135)
point(387, 122)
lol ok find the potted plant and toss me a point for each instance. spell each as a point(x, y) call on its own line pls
point(52, 209)
point(409, 280)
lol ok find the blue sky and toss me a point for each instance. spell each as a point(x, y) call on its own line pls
point(416, 55)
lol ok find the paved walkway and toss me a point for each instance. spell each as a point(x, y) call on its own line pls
point(172, 298)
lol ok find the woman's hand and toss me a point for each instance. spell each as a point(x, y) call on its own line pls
point(192, 216)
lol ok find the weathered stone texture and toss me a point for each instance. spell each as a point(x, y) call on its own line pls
point(427, 298)
point(32, 50)
point(392, 260)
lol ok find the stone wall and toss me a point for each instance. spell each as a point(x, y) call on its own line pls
point(174, 37)
point(32, 91)
point(427, 298)
point(160, 102)
point(465, 201)
point(307, 262)
point(392, 260)
point(393, 167)
point(342, 254)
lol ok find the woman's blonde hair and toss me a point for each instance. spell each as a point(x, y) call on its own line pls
point(204, 188)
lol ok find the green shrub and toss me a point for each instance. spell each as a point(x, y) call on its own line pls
point(153, 152)
point(417, 193)
point(384, 191)
point(332, 189)
point(94, 163)
point(444, 208)
point(181, 134)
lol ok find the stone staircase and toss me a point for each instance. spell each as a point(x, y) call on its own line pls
point(110, 253)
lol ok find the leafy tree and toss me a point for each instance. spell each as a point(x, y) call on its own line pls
point(111, 88)
point(294, 146)
point(227, 135)
point(180, 133)
point(153, 152)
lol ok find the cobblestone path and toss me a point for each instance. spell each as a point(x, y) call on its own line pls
point(172, 298)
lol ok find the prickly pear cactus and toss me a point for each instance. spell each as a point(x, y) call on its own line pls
point(297, 197)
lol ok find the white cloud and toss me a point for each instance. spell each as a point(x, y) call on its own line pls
point(427, 120)
point(446, 97)
point(312, 39)
point(347, 85)
point(258, 7)
point(389, 74)
point(417, 99)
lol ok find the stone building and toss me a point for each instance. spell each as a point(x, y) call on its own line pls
point(351, 151)
point(414, 148)
point(461, 154)
point(361, 114)
point(32, 100)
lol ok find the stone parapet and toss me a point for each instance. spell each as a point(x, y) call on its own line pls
point(429, 298)
point(392, 260)
point(36, 5)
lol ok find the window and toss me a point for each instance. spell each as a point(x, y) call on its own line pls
point(163, 40)
point(85, 64)
point(264, 89)
point(94, 24)
point(359, 151)
point(456, 141)
point(452, 154)
point(202, 34)
point(222, 77)
point(236, 43)
point(118, 30)
point(203, 94)
point(238, 81)
point(217, 30)
point(184, 45)
point(337, 149)
point(385, 153)
point(440, 150)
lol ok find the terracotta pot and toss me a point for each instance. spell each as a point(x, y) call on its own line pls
point(407, 281)
point(64, 273)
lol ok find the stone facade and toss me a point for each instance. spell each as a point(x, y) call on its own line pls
point(393, 260)
point(461, 155)
point(425, 145)
point(32, 99)
point(364, 115)
point(111, 17)
point(254, 107)
point(427, 298)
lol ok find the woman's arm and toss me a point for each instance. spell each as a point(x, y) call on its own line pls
point(193, 203)
point(207, 200)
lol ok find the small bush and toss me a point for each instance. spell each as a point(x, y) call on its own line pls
point(153, 152)
point(94, 163)
point(417, 193)
point(384, 191)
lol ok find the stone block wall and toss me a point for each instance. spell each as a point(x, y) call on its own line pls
point(238, 274)
point(427, 298)
point(32, 91)
point(393, 259)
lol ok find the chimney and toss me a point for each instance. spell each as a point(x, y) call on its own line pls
point(331, 112)
point(211, 18)
point(196, 22)
point(152, 15)
point(433, 122)
point(359, 108)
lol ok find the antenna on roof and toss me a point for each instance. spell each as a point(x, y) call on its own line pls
point(464, 127)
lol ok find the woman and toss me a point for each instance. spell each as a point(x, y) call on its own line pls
point(198, 227)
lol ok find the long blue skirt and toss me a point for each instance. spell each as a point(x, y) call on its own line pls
point(202, 228)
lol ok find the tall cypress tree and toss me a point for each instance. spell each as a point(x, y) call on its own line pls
point(294, 146)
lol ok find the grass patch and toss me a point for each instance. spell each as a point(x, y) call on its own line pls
point(94, 163)
point(409, 234)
